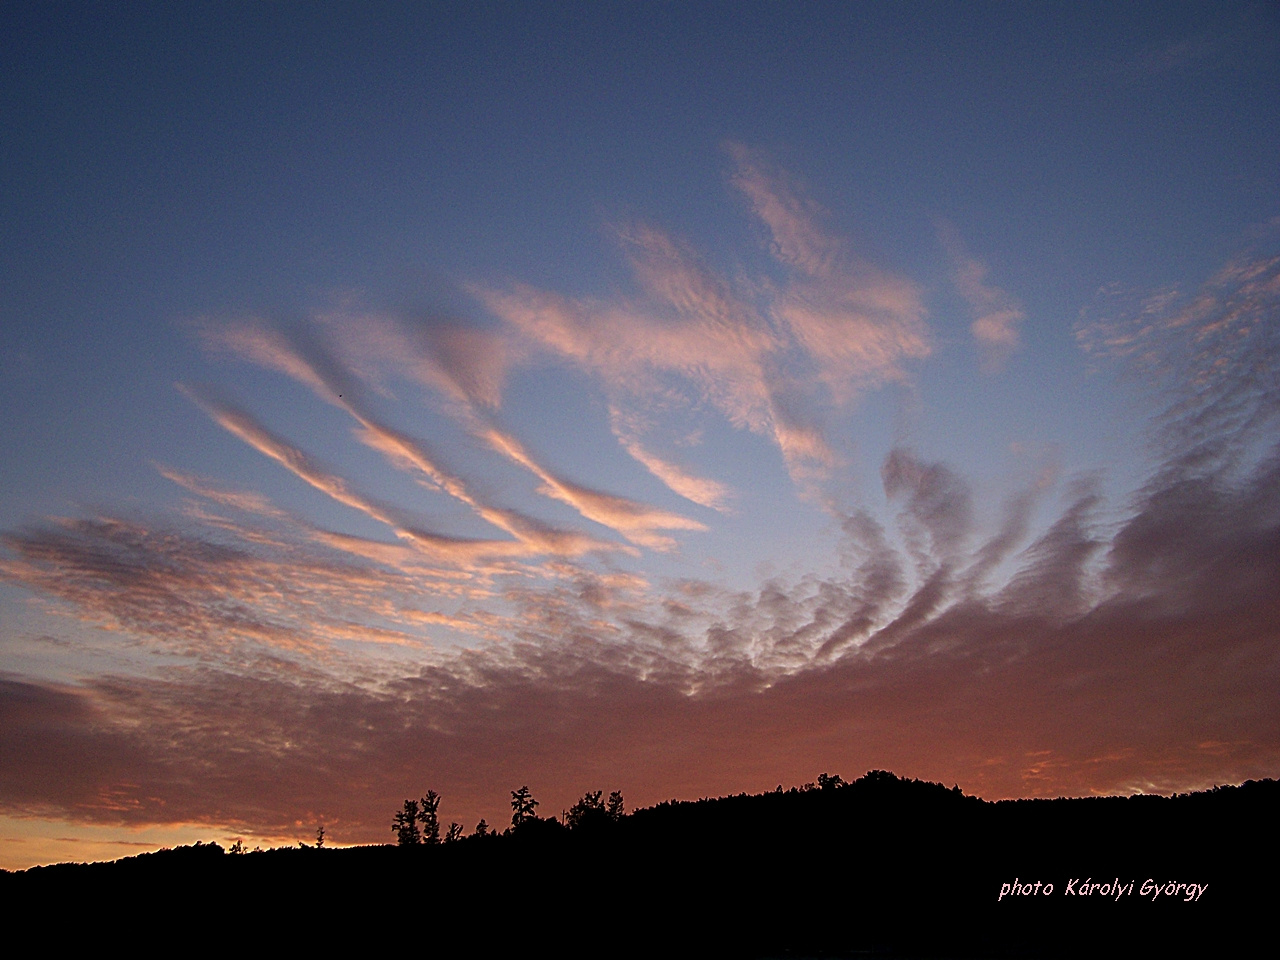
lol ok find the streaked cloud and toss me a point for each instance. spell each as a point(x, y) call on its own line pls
point(701, 490)
point(316, 674)
point(850, 672)
point(857, 322)
point(241, 424)
point(997, 315)
point(1211, 355)
point(770, 357)
point(637, 522)
point(319, 370)
point(793, 220)
point(936, 500)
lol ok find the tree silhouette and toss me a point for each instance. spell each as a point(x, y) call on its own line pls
point(430, 817)
point(830, 781)
point(482, 828)
point(405, 825)
point(523, 806)
point(615, 807)
point(590, 807)
point(453, 833)
point(320, 836)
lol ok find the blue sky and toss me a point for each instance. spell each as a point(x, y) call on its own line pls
point(745, 374)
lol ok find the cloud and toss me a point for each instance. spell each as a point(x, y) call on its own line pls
point(877, 582)
point(1014, 528)
point(318, 369)
point(631, 348)
point(240, 500)
point(1213, 356)
point(317, 675)
point(770, 357)
point(627, 427)
point(466, 364)
point(242, 425)
point(997, 315)
point(1055, 575)
point(649, 356)
point(636, 521)
point(538, 537)
point(456, 550)
point(1163, 679)
point(1139, 656)
point(313, 365)
point(937, 499)
point(856, 322)
point(190, 594)
point(298, 355)
point(793, 220)
point(701, 490)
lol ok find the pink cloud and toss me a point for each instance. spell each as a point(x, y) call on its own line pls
point(636, 521)
point(701, 490)
point(1078, 657)
point(794, 221)
point(997, 315)
point(1112, 659)
point(754, 350)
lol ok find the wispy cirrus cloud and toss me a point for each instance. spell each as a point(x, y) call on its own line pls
point(734, 691)
point(468, 552)
point(1133, 650)
point(700, 490)
point(794, 221)
point(241, 424)
point(1211, 355)
point(770, 357)
point(773, 358)
point(997, 315)
point(315, 367)
point(637, 522)
point(857, 323)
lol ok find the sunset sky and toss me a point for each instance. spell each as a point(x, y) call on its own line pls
point(681, 399)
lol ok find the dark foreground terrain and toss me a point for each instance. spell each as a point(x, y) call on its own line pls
point(879, 867)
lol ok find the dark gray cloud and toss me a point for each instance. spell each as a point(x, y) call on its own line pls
point(935, 499)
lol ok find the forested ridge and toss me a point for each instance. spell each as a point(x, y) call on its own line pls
point(887, 865)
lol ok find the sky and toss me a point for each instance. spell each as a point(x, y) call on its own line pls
point(680, 399)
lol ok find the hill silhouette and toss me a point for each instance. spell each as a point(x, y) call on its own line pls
point(882, 866)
